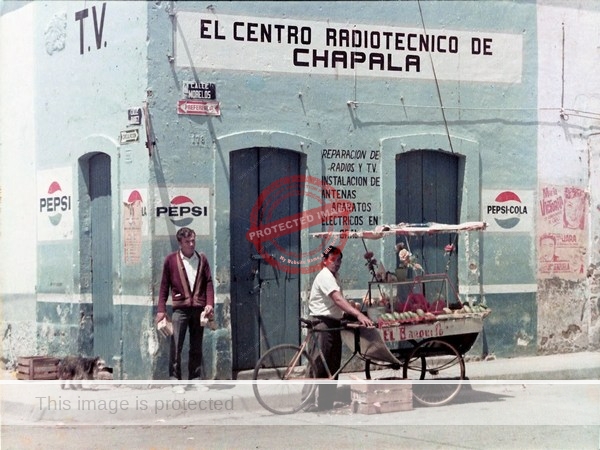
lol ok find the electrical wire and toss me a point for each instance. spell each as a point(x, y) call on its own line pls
point(437, 84)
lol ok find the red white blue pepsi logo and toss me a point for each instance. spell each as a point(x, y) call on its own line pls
point(507, 209)
point(181, 211)
point(55, 203)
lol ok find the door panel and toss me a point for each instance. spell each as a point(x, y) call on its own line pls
point(101, 253)
point(427, 191)
point(265, 301)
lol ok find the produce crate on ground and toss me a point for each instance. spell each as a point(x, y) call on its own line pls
point(37, 368)
point(378, 398)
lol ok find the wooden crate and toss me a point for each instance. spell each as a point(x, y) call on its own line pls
point(37, 368)
point(372, 398)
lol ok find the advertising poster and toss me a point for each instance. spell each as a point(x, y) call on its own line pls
point(182, 207)
point(55, 204)
point(135, 224)
point(562, 232)
point(508, 210)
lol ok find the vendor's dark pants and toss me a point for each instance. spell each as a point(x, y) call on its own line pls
point(330, 343)
point(184, 319)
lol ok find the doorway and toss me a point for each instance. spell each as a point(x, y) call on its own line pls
point(96, 250)
point(427, 191)
point(265, 303)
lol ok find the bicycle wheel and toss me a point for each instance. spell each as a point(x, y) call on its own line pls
point(439, 361)
point(279, 374)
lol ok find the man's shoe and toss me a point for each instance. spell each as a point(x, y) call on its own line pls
point(178, 389)
point(317, 408)
point(312, 408)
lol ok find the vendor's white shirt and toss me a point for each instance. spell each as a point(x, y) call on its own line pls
point(320, 303)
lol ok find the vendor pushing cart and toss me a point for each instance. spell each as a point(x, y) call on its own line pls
point(422, 332)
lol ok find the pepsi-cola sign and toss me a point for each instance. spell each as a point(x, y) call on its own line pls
point(507, 210)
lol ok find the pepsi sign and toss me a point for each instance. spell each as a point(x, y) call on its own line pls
point(182, 206)
point(507, 210)
point(55, 203)
point(181, 211)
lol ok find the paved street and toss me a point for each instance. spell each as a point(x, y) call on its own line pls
point(513, 415)
point(314, 437)
point(542, 402)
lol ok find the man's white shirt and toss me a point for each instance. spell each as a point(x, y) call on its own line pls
point(191, 267)
point(320, 302)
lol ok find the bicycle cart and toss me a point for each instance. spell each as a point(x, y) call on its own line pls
point(409, 341)
point(429, 349)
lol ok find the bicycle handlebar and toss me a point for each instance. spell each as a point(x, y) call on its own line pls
point(344, 324)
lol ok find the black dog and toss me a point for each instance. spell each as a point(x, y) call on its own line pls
point(81, 368)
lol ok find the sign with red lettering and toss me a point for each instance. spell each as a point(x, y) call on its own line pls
point(428, 330)
point(198, 108)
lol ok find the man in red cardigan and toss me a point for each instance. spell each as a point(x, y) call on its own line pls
point(186, 274)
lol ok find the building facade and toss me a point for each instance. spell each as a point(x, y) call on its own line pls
point(123, 121)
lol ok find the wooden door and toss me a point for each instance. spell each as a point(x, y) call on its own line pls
point(101, 255)
point(427, 191)
point(265, 301)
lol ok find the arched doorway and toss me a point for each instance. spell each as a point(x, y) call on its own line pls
point(265, 302)
point(96, 255)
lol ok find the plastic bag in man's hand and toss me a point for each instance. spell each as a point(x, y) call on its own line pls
point(165, 327)
point(208, 320)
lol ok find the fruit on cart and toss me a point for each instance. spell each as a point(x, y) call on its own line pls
point(420, 312)
point(480, 309)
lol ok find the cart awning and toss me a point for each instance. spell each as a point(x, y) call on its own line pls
point(404, 229)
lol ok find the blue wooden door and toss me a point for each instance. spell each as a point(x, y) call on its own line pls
point(101, 256)
point(265, 303)
point(427, 191)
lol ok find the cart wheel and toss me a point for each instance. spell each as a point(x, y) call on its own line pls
point(439, 361)
point(375, 370)
point(286, 364)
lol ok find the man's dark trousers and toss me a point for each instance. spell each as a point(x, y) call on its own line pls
point(184, 319)
point(330, 343)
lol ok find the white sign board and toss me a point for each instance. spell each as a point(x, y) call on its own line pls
point(55, 204)
point(182, 207)
point(274, 44)
point(508, 210)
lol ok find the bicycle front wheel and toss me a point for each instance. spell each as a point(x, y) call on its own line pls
point(278, 379)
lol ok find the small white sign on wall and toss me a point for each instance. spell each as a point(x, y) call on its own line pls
point(182, 207)
point(508, 210)
point(55, 204)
